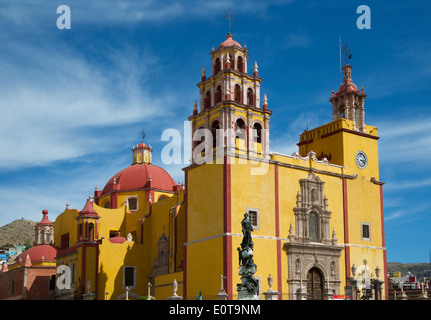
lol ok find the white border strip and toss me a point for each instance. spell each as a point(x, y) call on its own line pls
point(276, 238)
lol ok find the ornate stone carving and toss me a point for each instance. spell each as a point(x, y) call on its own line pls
point(311, 248)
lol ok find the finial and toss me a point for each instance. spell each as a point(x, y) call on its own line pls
point(203, 71)
point(265, 102)
point(255, 71)
point(115, 180)
point(195, 108)
point(67, 205)
point(96, 189)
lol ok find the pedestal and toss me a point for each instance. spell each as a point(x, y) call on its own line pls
point(271, 295)
point(222, 295)
point(301, 294)
point(403, 296)
point(245, 295)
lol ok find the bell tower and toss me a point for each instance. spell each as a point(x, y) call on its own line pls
point(231, 118)
point(346, 141)
point(348, 102)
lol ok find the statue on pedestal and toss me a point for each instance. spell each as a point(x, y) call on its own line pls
point(247, 289)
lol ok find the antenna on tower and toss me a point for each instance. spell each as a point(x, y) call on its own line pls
point(346, 52)
point(339, 44)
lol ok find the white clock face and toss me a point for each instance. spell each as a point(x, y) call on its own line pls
point(361, 159)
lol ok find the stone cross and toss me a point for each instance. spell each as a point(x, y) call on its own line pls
point(221, 282)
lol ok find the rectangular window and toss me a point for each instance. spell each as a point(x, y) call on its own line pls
point(133, 204)
point(129, 277)
point(253, 216)
point(365, 231)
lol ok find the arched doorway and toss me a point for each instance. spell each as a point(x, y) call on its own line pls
point(314, 284)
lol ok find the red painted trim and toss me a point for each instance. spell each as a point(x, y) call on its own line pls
point(83, 266)
point(385, 260)
point(96, 277)
point(186, 236)
point(114, 200)
point(362, 134)
point(227, 240)
point(176, 240)
point(277, 230)
point(346, 227)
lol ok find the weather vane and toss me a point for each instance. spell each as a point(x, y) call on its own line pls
point(229, 16)
point(143, 134)
point(346, 52)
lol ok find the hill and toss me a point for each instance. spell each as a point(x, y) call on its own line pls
point(20, 231)
point(417, 269)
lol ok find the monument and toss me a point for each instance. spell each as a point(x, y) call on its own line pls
point(247, 289)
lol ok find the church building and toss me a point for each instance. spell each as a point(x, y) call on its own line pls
point(316, 214)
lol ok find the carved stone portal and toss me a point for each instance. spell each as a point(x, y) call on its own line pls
point(313, 257)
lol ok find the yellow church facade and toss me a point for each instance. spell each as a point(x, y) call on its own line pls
point(317, 215)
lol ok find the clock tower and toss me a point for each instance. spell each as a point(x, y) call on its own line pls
point(346, 141)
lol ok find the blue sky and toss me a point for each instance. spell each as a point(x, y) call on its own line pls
point(73, 102)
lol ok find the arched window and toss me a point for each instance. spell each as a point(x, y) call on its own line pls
point(217, 66)
point(314, 227)
point(217, 95)
point(207, 100)
point(257, 132)
point(91, 231)
point(80, 232)
point(238, 95)
point(107, 204)
point(250, 97)
point(240, 129)
point(240, 64)
point(214, 131)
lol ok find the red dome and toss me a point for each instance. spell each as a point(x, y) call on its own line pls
point(347, 86)
point(36, 253)
point(137, 176)
point(229, 42)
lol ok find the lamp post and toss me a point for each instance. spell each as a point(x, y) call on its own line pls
point(353, 284)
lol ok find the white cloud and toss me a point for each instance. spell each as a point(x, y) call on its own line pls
point(53, 96)
point(405, 141)
point(132, 11)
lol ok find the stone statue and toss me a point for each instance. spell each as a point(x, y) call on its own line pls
point(247, 289)
point(247, 228)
